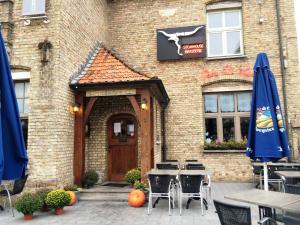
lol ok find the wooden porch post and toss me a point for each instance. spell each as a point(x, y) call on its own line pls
point(79, 142)
point(145, 123)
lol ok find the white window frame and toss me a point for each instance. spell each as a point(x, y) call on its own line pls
point(34, 10)
point(223, 30)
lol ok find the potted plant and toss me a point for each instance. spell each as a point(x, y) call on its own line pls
point(139, 185)
point(28, 204)
point(43, 194)
point(73, 188)
point(57, 200)
point(90, 178)
point(132, 176)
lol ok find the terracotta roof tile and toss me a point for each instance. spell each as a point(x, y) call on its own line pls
point(106, 67)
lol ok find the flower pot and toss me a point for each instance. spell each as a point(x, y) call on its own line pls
point(59, 211)
point(28, 216)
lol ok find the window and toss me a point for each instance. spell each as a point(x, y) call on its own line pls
point(34, 7)
point(21, 89)
point(224, 36)
point(227, 116)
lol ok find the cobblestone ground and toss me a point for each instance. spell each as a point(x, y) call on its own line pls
point(115, 213)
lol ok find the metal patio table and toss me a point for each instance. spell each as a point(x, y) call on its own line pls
point(288, 174)
point(287, 164)
point(268, 201)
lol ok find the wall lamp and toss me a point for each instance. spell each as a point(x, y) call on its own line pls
point(76, 107)
point(144, 104)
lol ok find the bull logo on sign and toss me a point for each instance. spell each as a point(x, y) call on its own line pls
point(175, 37)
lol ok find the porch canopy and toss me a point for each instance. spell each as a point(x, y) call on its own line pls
point(105, 74)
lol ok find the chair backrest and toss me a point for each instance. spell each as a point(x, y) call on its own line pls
point(195, 166)
point(190, 183)
point(233, 214)
point(292, 189)
point(159, 183)
point(19, 185)
point(191, 160)
point(256, 170)
point(163, 166)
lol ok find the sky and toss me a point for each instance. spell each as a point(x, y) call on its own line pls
point(297, 14)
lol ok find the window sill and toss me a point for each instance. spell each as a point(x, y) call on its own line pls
point(226, 57)
point(223, 151)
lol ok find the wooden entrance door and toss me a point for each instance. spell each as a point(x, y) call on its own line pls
point(122, 146)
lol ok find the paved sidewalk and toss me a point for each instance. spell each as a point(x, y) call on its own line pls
point(119, 213)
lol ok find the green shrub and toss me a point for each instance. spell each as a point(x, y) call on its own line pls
point(72, 187)
point(57, 199)
point(28, 203)
point(229, 145)
point(91, 177)
point(132, 176)
point(140, 186)
point(43, 194)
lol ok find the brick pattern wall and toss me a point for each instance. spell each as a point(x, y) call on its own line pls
point(130, 28)
point(184, 79)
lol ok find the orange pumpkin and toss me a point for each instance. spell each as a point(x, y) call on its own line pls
point(72, 196)
point(136, 198)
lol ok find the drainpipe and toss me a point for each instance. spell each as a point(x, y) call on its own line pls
point(282, 69)
point(164, 147)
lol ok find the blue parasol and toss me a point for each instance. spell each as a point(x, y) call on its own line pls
point(267, 137)
point(13, 155)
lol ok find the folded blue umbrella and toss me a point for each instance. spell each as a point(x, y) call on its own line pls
point(267, 137)
point(13, 155)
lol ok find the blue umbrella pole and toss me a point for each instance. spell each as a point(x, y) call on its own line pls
point(266, 185)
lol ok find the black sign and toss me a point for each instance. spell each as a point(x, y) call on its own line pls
point(181, 43)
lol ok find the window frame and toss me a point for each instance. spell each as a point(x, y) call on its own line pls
point(22, 113)
point(220, 115)
point(37, 11)
point(224, 30)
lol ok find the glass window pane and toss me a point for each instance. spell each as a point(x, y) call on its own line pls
point(215, 44)
point(26, 89)
point(233, 42)
point(211, 103)
point(244, 127)
point(227, 103)
point(20, 102)
point(228, 129)
point(232, 19)
point(25, 130)
point(19, 89)
point(26, 105)
point(214, 20)
point(210, 129)
point(130, 128)
point(244, 102)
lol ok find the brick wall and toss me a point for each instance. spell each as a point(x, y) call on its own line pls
point(132, 27)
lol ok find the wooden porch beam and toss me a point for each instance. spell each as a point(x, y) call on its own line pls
point(79, 142)
point(89, 107)
point(145, 124)
point(135, 106)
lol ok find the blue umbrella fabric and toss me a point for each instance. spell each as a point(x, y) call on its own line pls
point(13, 155)
point(267, 137)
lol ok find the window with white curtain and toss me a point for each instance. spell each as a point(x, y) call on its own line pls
point(224, 33)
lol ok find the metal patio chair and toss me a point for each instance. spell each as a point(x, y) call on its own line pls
point(237, 215)
point(160, 186)
point(164, 166)
point(191, 187)
point(17, 189)
point(194, 166)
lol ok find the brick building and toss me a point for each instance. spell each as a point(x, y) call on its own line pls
point(109, 58)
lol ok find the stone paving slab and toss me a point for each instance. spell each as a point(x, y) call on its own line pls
point(119, 213)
